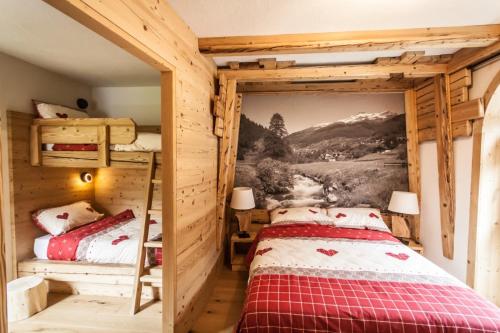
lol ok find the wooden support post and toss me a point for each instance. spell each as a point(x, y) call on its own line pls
point(36, 145)
point(103, 146)
point(3, 266)
point(169, 200)
point(446, 164)
point(234, 144)
point(413, 155)
point(224, 157)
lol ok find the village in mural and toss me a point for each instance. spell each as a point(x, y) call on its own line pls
point(352, 162)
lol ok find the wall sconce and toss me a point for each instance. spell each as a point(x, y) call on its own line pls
point(86, 177)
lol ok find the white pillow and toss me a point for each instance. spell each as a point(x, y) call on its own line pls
point(358, 218)
point(144, 142)
point(46, 110)
point(59, 220)
point(299, 214)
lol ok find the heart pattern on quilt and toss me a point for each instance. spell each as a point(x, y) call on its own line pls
point(263, 251)
point(330, 252)
point(281, 212)
point(313, 211)
point(400, 256)
point(62, 115)
point(152, 222)
point(119, 239)
point(339, 215)
point(374, 215)
point(63, 216)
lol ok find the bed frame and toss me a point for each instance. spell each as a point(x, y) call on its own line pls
point(100, 131)
point(88, 279)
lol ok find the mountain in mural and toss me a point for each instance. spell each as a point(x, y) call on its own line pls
point(361, 125)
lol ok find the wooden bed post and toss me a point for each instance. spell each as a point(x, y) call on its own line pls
point(446, 163)
point(169, 200)
point(413, 155)
point(3, 268)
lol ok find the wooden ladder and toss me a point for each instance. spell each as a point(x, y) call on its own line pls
point(144, 274)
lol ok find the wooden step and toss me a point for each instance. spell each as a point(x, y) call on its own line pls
point(155, 212)
point(155, 281)
point(156, 181)
point(154, 244)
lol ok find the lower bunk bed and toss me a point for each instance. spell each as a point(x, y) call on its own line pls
point(98, 258)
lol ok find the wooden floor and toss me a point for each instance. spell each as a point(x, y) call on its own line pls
point(98, 314)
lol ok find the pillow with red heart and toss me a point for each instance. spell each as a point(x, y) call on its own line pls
point(358, 218)
point(46, 110)
point(299, 215)
point(59, 220)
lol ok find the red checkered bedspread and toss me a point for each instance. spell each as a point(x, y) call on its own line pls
point(325, 279)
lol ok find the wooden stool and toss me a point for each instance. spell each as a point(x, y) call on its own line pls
point(25, 297)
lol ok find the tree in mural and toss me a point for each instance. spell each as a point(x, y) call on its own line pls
point(277, 126)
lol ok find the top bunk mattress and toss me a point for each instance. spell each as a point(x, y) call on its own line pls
point(145, 142)
point(111, 240)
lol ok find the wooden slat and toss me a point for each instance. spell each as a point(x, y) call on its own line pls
point(468, 111)
point(3, 266)
point(451, 37)
point(35, 145)
point(411, 57)
point(458, 75)
point(224, 158)
point(334, 73)
point(153, 244)
point(460, 129)
point(469, 57)
point(103, 146)
point(446, 164)
point(413, 155)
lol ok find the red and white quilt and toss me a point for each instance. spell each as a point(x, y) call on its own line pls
point(317, 278)
point(111, 240)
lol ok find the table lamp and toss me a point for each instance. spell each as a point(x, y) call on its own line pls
point(242, 202)
point(404, 203)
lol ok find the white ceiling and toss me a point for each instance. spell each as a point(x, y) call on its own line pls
point(37, 33)
point(266, 17)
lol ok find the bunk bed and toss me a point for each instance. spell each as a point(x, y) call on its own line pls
point(101, 133)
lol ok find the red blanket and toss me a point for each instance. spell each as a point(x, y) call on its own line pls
point(287, 297)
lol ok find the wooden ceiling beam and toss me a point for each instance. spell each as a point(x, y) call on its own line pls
point(360, 86)
point(335, 73)
point(470, 57)
point(381, 40)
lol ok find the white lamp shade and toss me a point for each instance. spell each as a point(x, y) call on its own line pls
point(404, 203)
point(242, 198)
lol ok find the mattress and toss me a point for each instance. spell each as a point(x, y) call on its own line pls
point(145, 142)
point(111, 240)
point(318, 278)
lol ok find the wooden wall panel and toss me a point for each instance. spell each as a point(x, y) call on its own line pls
point(33, 188)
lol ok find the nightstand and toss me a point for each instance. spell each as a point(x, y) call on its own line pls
point(417, 247)
point(239, 250)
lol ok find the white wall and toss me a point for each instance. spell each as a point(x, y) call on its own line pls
point(139, 103)
point(430, 224)
point(21, 82)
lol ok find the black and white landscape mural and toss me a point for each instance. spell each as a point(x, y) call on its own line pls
point(346, 161)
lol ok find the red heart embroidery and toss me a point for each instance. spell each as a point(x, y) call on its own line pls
point(400, 256)
point(329, 253)
point(152, 222)
point(61, 115)
point(119, 239)
point(63, 216)
point(263, 251)
point(283, 212)
point(313, 211)
point(374, 215)
point(339, 215)
point(90, 209)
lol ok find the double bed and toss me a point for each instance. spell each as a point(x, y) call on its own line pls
point(310, 277)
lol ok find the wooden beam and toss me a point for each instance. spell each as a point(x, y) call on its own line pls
point(461, 129)
point(447, 37)
point(470, 57)
point(3, 266)
point(365, 86)
point(234, 144)
point(413, 155)
point(411, 57)
point(446, 164)
point(224, 158)
point(169, 199)
point(334, 73)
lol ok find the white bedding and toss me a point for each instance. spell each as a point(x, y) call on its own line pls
point(103, 247)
